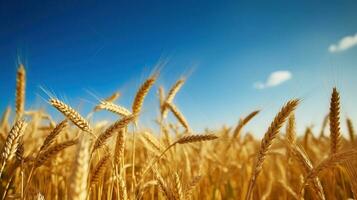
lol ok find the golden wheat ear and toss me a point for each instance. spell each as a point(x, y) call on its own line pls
point(79, 175)
point(99, 170)
point(12, 142)
point(53, 135)
point(196, 138)
point(329, 163)
point(290, 129)
point(351, 131)
point(179, 116)
point(114, 128)
point(53, 151)
point(142, 92)
point(114, 108)
point(71, 114)
point(20, 91)
point(334, 118)
point(171, 95)
point(267, 140)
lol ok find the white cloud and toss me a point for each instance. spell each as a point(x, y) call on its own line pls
point(276, 78)
point(344, 44)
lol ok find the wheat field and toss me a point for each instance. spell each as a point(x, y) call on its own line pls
point(76, 159)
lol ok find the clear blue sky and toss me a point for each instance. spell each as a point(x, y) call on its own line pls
point(70, 47)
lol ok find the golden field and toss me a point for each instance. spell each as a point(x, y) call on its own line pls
point(75, 159)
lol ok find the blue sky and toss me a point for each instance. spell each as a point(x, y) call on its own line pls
point(73, 47)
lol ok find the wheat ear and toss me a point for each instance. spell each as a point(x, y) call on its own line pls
point(267, 140)
point(123, 190)
point(306, 165)
point(352, 173)
point(332, 161)
point(53, 151)
point(20, 91)
point(99, 170)
point(241, 124)
point(142, 92)
point(171, 95)
point(54, 133)
point(290, 129)
point(114, 108)
point(12, 143)
point(163, 186)
point(189, 188)
point(182, 140)
point(79, 176)
point(114, 128)
point(351, 130)
point(328, 163)
point(179, 195)
point(335, 135)
point(179, 116)
point(195, 138)
point(323, 126)
point(71, 114)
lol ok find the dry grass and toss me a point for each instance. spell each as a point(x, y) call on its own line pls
point(42, 160)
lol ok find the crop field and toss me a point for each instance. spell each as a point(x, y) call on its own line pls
point(75, 158)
